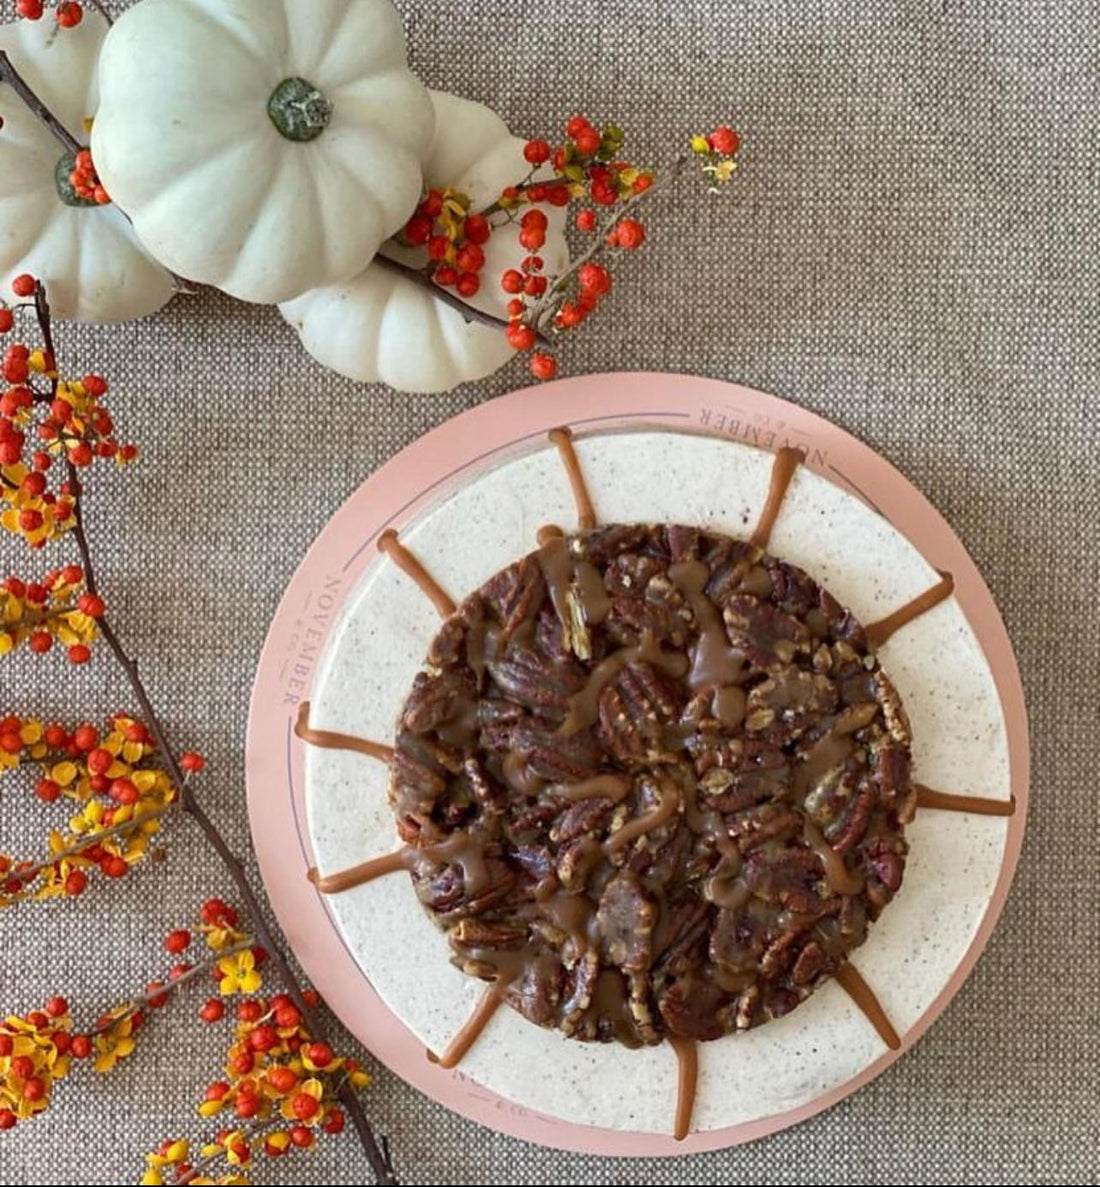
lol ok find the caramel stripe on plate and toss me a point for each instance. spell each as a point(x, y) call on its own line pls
point(687, 1058)
point(409, 565)
point(787, 460)
point(878, 632)
point(471, 1029)
point(586, 513)
point(328, 740)
point(366, 871)
point(864, 998)
point(927, 798)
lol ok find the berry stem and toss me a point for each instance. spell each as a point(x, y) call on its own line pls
point(99, 7)
point(423, 278)
point(19, 85)
point(139, 1003)
point(554, 184)
point(548, 300)
point(379, 1160)
point(116, 830)
point(250, 1131)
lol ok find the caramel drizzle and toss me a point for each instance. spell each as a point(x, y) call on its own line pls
point(841, 880)
point(584, 705)
point(714, 662)
point(878, 632)
point(548, 532)
point(409, 565)
point(864, 998)
point(366, 871)
point(787, 460)
point(927, 798)
point(471, 1029)
point(615, 787)
point(329, 740)
point(687, 1059)
point(665, 809)
point(586, 513)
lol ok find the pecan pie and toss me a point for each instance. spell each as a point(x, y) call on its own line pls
point(653, 783)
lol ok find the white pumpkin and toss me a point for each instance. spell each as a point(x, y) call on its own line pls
point(88, 256)
point(382, 327)
point(263, 146)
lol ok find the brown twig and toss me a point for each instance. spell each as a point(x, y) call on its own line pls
point(377, 1155)
point(19, 85)
point(249, 1131)
point(544, 305)
point(556, 183)
point(44, 115)
point(139, 1003)
point(421, 277)
point(98, 6)
point(116, 830)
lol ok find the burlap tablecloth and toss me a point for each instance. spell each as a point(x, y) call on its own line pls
point(912, 252)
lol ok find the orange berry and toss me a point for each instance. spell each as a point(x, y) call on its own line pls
point(282, 1079)
point(304, 1106)
point(213, 1011)
point(544, 366)
point(319, 1054)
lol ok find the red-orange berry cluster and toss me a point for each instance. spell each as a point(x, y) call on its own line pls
point(85, 180)
point(587, 169)
point(454, 238)
point(280, 1088)
point(44, 417)
point(69, 13)
point(119, 792)
point(56, 609)
point(35, 1051)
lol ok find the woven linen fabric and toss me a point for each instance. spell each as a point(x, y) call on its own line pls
point(909, 250)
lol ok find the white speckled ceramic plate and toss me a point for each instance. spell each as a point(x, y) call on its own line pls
point(479, 491)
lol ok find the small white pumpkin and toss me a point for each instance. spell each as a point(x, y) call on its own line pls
point(382, 327)
point(87, 255)
point(263, 146)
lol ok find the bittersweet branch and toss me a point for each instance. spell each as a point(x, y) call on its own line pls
point(376, 1152)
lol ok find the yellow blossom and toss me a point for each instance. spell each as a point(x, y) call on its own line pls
point(239, 974)
point(700, 144)
point(722, 171)
point(115, 1043)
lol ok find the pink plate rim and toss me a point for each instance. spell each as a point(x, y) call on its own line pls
point(391, 496)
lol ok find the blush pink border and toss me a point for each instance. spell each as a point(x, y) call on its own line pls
point(419, 474)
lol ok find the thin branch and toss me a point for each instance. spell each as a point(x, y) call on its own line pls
point(379, 1160)
point(116, 830)
point(556, 183)
point(250, 1130)
point(140, 1003)
point(98, 6)
point(422, 278)
point(545, 303)
point(380, 1164)
point(19, 85)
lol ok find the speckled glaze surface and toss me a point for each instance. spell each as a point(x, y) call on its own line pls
point(375, 629)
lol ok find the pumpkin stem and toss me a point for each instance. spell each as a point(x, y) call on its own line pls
point(63, 177)
point(299, 110)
